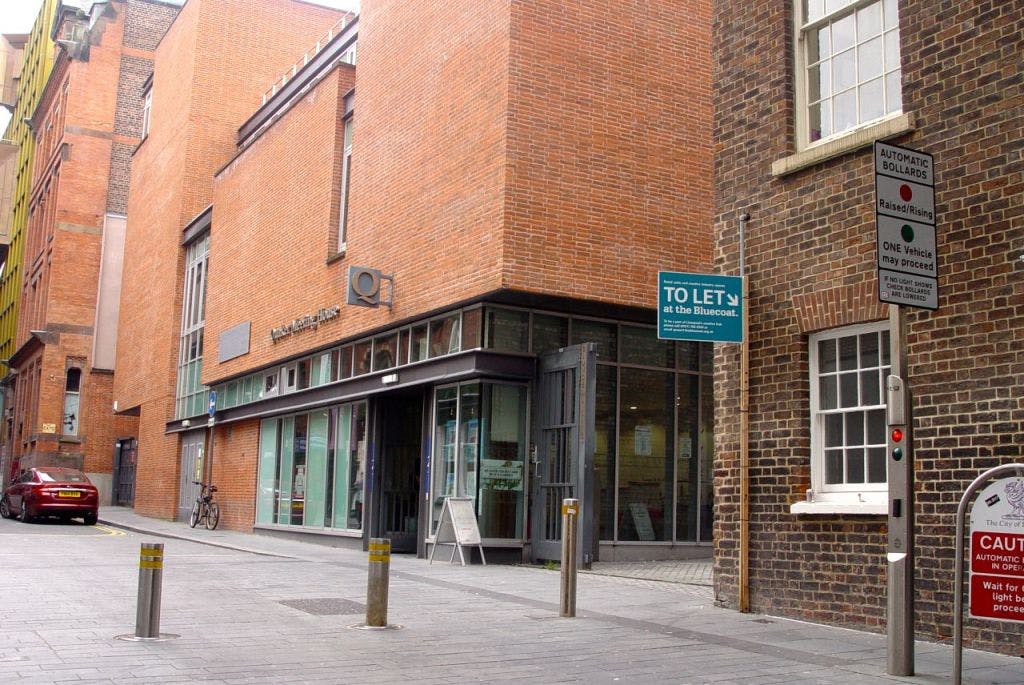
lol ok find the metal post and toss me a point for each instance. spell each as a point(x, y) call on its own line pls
point(743, 570)
point(570, 517)
point(900, 552)
point(377, 583)
point(151, 572)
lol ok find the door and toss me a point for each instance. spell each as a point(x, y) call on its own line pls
point(192, 446)
point(125, 454)
point(563, 460)
point(401, 447)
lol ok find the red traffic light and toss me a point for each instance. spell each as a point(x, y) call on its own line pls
point(897, 435)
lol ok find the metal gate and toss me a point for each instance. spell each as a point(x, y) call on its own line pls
point(125, 457)
point(563, 459)
point(192, 446)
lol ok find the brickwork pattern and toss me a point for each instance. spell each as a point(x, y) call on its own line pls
point(235, 462)
point(119, 178)
point(146, 22)
point(461, 190)
point(609, 170)
point(208, 78)
point(128, 113)
point(810, 245)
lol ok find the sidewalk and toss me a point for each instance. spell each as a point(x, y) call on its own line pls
point(288, 607)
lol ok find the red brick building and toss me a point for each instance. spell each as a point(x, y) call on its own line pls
point(802, 90)
point(86, 124)
point(413, 223)
point(208, 76)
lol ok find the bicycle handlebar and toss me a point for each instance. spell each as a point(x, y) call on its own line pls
point(212, 488)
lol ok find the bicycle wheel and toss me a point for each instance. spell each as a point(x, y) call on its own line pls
point(193, 518)
point(212, 515)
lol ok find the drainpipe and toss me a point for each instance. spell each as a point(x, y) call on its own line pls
point(743, 602)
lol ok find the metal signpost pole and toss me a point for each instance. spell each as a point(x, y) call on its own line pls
point(908, 275)
point(900, 557)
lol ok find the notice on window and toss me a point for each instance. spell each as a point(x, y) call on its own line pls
point(642, 441)
point(500, 474)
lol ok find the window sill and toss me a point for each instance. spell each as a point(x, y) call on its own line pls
point(875, 506)
point(337, 256)
point(854, 139)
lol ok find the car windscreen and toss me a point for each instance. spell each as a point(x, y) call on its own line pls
point(62, 477)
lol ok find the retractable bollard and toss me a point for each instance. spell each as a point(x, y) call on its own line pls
point(151, 573)
point(377, 583)
point(570, 518)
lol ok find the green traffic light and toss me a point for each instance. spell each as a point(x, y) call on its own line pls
point(908, 233)
point(897, 453)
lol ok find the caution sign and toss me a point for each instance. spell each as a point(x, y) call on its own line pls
point(997, 552)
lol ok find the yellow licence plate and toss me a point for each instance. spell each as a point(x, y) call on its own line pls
point(69, 494)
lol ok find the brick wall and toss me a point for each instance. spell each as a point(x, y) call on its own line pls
point(258, 201)
point(209, 73)
point(235, 458)
point(811, 241)
point(609, 150)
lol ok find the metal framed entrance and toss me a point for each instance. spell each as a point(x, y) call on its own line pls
point(563, 456)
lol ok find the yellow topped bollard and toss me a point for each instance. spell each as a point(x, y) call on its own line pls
point(151, 572)
point(377, 583)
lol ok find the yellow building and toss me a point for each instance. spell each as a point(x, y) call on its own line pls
point(27, 83)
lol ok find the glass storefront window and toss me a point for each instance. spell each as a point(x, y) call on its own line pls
point(550, 333)
point(446, 407)
point(502, 461)
point(445, 336)
point(688, 459)
point(507, 330)
point(469, 439)
point(363, 357)
point(605, 419)
point(311, 469)
point(642, 346)
point(480, 453)
point(403, 347)
point(385, 352)
point(601, 333)
point(418, 351)
point(646, 464)
point(472, 320)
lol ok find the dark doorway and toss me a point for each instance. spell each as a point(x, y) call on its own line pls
point(401, 447)
point(125, 456)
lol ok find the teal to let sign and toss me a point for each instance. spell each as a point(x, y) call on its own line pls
point(700, 307)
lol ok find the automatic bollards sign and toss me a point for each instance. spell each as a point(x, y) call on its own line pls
point(908, 271)
point(997, 552)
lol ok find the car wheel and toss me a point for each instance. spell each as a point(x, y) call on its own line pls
point(24, 515)
point(90, 519)
point(5, 508)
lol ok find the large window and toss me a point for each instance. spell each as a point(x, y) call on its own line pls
point(192, 395)
point(312, 469)
point(848, 367)
point(480, 453)
point(848, 65)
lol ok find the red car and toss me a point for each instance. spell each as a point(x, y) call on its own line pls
point(51, 491)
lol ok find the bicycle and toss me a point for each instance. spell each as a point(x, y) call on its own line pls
point(205, 509)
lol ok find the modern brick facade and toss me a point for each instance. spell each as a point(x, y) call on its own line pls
point(811, 265)
point(210, 71)
point(509, 161)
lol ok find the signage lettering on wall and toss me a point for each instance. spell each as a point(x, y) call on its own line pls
point(308, 322)
point(364, 287)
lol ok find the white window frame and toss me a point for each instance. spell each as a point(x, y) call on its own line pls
point(857, 498)
point(346, 173)
point(802, 28)
point(147, 111)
